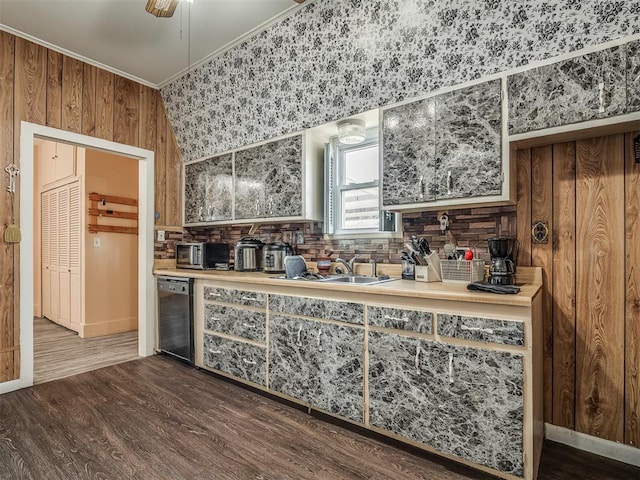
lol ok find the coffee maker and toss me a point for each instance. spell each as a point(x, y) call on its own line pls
point(503, 251)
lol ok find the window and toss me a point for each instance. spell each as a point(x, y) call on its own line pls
point(352, 189)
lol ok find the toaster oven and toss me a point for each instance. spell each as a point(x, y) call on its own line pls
point(202, 256)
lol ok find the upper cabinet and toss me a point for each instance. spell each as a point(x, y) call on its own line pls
point(269, 180)
point(279, 180)
point(444, 150)
point(208, 190)
point(633, 76)
point(588, 87)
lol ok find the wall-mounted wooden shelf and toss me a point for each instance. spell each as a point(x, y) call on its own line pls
point(95, 213)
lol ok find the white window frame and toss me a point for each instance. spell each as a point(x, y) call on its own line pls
point(335, 184)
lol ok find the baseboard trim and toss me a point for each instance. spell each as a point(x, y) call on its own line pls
point(120, 325)
point(588, 443)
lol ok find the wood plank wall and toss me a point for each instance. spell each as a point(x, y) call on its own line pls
point(45, 87)
point(588, 192)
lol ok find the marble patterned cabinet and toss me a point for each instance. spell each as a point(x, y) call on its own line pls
point(633, 76)
point(442, 148)
point(588, 87)
point(276, 180)
point(208, 191)
point(462, 401)
point(234, 332)
point(318, 363)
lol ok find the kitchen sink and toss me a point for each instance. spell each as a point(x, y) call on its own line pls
point(343, 279)
point(357, 280)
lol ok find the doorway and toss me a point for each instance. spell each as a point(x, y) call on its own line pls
point(146, 334)
point(85, 259)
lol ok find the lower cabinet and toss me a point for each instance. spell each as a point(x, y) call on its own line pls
point(318, 363)
point(463, 401)
point(242, 360)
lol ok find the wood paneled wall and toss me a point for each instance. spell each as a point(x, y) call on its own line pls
point(45, 87)
point(588, 192)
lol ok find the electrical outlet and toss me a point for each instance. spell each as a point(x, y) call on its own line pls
point(160, 236)
point(96, 242)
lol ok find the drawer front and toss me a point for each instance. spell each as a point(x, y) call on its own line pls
point(318, 308)
point(401, 319)
point(481, 329)
point(240, 297)
point(243, 361)
point(235, 321)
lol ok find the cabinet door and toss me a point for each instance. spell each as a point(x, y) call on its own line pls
point(319, 363)
point(209, 190)
point(463, 401)
point(468, 142)
point(269, 180)
point(583, 88)
point(633, 76)
point(408, 153)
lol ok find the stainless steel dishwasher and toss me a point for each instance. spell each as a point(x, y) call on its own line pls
point(175, 317)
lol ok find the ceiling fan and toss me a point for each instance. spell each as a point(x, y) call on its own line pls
point(166, 8)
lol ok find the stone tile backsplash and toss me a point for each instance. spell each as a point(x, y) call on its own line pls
point(470, 227)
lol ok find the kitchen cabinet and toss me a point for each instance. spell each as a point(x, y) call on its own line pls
point(60, 237)
point(278, 180)
point(318, 363)
point(480, 329)
point(231, 332)
point(400, 319)
point(238, 359)
point(633, 76)
point(443, 148)
point(462, 401)
point(587, 87)
point(442, 370)
point(208, 194)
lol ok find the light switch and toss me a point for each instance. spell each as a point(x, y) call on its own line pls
point(160, 236)
point(96, 242)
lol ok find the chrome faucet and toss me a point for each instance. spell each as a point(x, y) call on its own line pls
point(374, 267)
point(348, 265)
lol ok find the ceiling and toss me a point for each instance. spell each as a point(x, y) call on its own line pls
point(121, 36)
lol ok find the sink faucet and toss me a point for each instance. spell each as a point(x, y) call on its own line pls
point(348, 265)
point(374, 267)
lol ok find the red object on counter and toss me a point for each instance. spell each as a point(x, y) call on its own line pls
point(468, 255)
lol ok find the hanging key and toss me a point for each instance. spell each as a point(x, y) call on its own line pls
point(12, 170)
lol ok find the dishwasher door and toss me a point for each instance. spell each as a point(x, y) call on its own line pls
point(175, 317)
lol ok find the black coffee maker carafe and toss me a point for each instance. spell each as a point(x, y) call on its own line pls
point(503, 251)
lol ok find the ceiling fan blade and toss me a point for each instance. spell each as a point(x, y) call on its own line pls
point(161, 8)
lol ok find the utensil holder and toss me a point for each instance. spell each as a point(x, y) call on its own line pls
point(430, 272)
point(462, 270)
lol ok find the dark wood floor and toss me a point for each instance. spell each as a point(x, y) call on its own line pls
point(155, 418)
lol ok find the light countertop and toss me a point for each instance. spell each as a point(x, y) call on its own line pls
point(456, 291)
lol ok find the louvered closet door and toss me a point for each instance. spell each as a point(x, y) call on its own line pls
point(45, 232)
point(75, 286)
point(64, 312)
point(54, 253)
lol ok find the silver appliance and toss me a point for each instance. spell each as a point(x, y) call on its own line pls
point(248, 255)
point(202, 255)
point(273, 256)
point(175, 317)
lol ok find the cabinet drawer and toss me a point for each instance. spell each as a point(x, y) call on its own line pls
point(240, 297)
point(242, 360)
point(401, 319)
point(318, 308)
point(235, 321)
point(481, 329)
